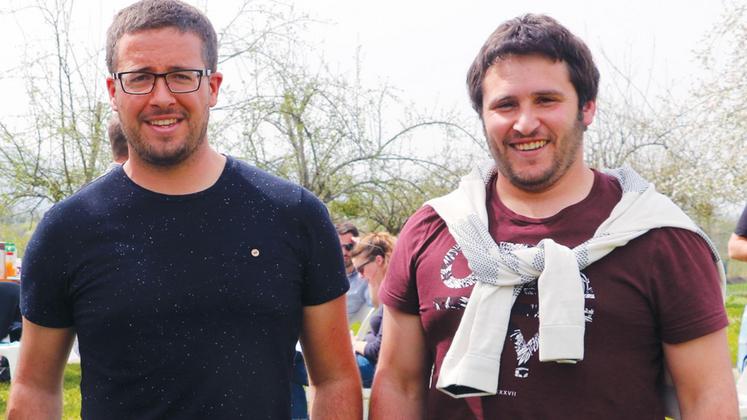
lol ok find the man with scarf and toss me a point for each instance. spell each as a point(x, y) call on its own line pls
point(543, 288)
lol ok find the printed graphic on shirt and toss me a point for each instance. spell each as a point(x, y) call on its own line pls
point(447, 271)
point(526, 348)
point(454, 303)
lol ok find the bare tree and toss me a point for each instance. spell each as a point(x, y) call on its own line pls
point(59, 146)
point(686, 144)
point(285, 111)
point(345, 142)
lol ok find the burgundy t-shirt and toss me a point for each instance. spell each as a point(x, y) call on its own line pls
point(661, 287)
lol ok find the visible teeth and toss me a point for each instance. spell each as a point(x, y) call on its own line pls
point(164, 122)
point(531, 145)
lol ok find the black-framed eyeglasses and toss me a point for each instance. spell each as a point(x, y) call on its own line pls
point(348, 247)
point(359, 268)
point(178, 81)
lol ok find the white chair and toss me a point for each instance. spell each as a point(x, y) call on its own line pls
point(11, 351)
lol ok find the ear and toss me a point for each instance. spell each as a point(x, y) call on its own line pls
point(215, 81)
point(111, 87)
point(587, 112)
point(379, 260)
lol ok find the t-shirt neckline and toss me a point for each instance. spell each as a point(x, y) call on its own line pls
point(493, 200)
point(227, 168)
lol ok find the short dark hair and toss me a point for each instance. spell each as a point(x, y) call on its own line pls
point(117, 139)
point(346, 227)
point(157, 14)
point(535, 34)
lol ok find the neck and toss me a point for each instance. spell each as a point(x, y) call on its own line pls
point(374, 285)
point(374, 290)
point(570, 189)
point(196, 173)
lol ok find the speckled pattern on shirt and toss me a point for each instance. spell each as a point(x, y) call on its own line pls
point(185, 306)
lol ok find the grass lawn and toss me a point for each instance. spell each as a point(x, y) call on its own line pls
point(70, 397)
point(735, 303)
point(736, 298)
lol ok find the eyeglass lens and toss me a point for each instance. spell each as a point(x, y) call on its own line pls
point(178, 81)
point(360, 267)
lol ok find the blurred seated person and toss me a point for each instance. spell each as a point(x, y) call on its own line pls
point(117, 141)
point(10, 313)
point(371, 259)
point(357, 299)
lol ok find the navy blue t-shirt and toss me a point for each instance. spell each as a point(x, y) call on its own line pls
point(741, 229)
point(185, 306)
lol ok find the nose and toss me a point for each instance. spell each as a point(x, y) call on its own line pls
point(526, 122)
point(161, 95)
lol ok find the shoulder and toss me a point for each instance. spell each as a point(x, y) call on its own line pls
point(685, 283)
point(678, 244)
point(276, 191)
point(88, 201)
point(422, 224)
point(423, 232)
point(676, 256)
point(606, 185)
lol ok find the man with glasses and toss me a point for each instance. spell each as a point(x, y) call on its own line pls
point(358, 300)
point(187, 275)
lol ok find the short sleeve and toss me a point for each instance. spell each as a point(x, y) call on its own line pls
point(399, 289)
point(687, 286)
point(741, 229)
point(324, 271)
point(44, 280)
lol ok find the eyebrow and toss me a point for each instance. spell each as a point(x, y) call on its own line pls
point(549, 92)
point(149, 69)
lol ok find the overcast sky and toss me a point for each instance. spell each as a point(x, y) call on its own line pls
point(424, 47)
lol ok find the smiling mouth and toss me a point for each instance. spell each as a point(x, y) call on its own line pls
point(163, 123)
point(529, 146)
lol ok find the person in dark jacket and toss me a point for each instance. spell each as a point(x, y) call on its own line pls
point(10, 314)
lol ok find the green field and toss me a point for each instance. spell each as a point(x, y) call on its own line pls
point(71, 393)
point(735, 303)
point(736, 299)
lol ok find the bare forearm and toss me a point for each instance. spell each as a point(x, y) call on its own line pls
point(28, 403)
point(712, 407)
point(702, 375)
point(737, 247)
point(393, 399)
point(337, 400)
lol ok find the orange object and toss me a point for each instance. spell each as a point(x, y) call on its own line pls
point(10, 270)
